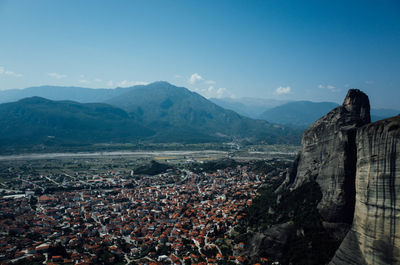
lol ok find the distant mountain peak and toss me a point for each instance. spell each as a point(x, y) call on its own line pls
point(164, 83)
point(34, 99)
point(176, 113)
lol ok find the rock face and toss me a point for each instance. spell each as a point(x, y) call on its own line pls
point(329, 155)
point(271, 243)
point(356, 165)
point(375, 234)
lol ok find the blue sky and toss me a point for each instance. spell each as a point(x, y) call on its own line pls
point(298, 50)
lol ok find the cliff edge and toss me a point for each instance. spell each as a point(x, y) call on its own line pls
point(340, 202)
point(375, 234)
point(328, 157)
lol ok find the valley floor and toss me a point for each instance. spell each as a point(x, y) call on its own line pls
point(93, 209)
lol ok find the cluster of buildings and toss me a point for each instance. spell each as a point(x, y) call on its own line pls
point(174, 218)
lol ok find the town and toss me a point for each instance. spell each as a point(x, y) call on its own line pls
point(118, 217)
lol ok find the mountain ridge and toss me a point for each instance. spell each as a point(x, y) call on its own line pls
point(291, 113)
point(163, 106)
point(297, 113)
point(246, 106)
point(165, 113)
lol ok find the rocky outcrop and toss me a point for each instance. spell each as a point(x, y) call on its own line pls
point(271, 243)
point(375, 234)
point(328, 157)
point(354, 168)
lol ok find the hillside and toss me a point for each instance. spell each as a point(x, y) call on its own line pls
point(177, 114)
point(298, 113)
point(247, 106)
point(39, 121)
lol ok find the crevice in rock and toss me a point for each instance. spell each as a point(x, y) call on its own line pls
point(349, 185)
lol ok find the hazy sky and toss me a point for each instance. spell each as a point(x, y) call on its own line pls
point(311, 50)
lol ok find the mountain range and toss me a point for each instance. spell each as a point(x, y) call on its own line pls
point(174, 112)
point(158, 112)
point(297, 113)
point(290, 113)
point(248, 106)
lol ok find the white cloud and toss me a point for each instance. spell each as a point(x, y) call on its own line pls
point(97, 80)
point(283, 90)
point(210, 82)
point(4, 71)
point(329, 87)
point(127, 83)
point(221, 92)
point(369, 82)
point(212, 92)
point(57, 75)
point(194, 78)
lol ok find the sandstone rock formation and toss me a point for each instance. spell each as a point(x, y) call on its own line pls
point(375, 234)
point(354, 166)
point(328, 157)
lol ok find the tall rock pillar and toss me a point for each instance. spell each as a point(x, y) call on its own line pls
point(375, 234)
point(329, 154)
